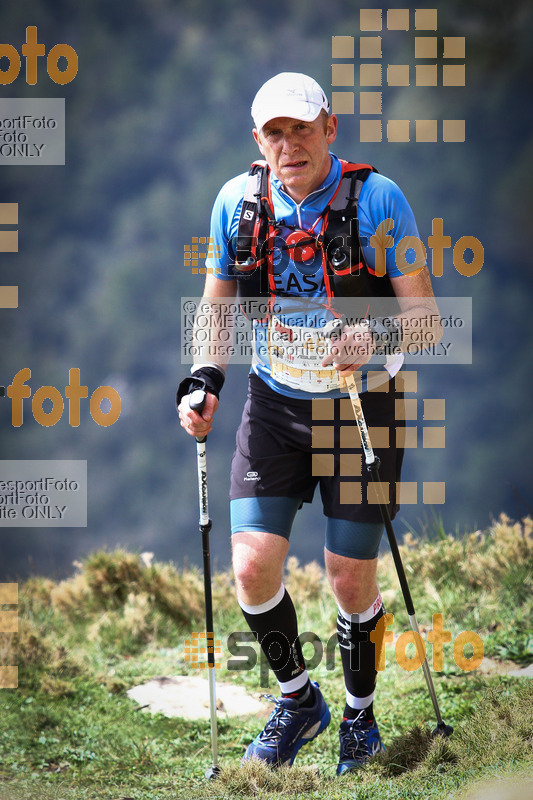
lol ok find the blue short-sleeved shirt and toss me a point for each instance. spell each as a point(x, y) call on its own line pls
point(288, 347)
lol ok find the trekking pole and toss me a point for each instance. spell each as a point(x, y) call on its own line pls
point(197, 402)
point(333, 331)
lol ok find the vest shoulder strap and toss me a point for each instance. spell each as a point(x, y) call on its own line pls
point(346, 271)
point(352, 178)
point(256, 213)
point(341, 231)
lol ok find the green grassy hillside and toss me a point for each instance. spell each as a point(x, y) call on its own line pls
point(70, 731)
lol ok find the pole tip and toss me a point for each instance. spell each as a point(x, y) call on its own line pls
point(212, 773)
point(443, 730)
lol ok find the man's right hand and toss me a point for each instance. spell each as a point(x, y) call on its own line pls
point(195, 424)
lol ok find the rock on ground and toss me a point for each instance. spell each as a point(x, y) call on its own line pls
point(188, 697)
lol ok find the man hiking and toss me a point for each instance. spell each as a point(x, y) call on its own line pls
point(286, 233)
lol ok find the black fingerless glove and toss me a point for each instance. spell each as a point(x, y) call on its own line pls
point(209, 379)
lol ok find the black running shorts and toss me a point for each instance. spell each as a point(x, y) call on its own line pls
point(286, 446)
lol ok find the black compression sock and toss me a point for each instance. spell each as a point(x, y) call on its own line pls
point(352, 713)
point(275, 627)
point(305, 697)
point(358, 658)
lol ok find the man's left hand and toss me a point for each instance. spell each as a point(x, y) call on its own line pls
point(351, 350)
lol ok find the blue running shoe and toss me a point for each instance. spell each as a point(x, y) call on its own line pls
point(288, 728)
point(359, 740)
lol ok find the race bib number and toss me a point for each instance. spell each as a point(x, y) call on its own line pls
point(295, 354)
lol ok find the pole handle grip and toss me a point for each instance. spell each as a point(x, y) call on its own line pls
point(333, 330)
point(197, 400)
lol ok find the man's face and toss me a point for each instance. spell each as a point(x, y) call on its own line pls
point(297, 152)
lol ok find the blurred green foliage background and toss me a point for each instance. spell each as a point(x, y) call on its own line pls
point(157, 119)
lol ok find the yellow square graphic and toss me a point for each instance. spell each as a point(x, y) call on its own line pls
point(346, 409)
point(398, 130)
point(9, 677)
point(342, 75)
point(9, 241)
point(406, 492)
point(406, 381)
point(370, 130)
point(425, 47)
point(370, 102)
point(381, 387)
point(433, 492)
point(356, 377)
point(398, 75)
point(453, 130)
point(349, 438)
point(9, 296)
point(9, 213)
point(323, 408)
point(370, 74)
point(453, 75)
point(192, 658)
point(434, 437)
point(350, 465)
point(454, 46)
point(373, 494)
point(370, 47)
point(342, 102)
point(370, 19)
point(9, 621)
point(343, 387)
point(426, 19)
point(435, 408)
point(9, 593)
point(322, 436)
point(379, 436)
point(426, 74)
point(398, 19)
point(342, 47)
point(322, 464)
point(406, 437)
point(350, 493)
point(426, 130)
point(406, 409)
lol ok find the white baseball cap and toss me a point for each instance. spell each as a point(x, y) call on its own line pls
point(288, 94)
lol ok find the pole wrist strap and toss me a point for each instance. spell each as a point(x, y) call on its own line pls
point(209, 379)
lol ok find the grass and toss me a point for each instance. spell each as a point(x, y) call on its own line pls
point(70, 731)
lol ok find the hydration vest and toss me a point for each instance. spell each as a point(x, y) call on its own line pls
point(345, 270)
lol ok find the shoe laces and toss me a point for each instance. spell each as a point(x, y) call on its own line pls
point(278, 721)
point(355, 740)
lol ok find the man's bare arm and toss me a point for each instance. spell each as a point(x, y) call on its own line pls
point(419, 318)
point(214, 309)
point(419, 314)
point(215, 351)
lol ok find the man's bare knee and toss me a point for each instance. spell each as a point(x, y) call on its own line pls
point(257, 565)
point(352, 581)
point(249, 573)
